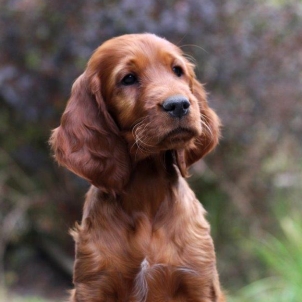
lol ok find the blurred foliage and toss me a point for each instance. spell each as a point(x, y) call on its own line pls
point(16, 298)
point(247, 52)
point(283, 256)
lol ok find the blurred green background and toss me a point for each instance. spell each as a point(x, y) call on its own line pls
point(249, 55)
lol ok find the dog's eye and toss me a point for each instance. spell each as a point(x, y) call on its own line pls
point(129, 79)
point(178, 71)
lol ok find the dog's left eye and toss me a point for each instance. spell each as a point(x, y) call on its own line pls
point(178, 71)
point(129, 79)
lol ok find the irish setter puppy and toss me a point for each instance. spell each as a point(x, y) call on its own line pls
point(136, 120)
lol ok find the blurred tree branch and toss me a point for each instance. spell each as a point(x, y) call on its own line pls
point(17, 193)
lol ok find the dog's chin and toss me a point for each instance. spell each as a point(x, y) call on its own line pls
point(177, 138)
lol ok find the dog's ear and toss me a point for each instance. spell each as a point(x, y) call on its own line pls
point(88, 142)
point(209, 137)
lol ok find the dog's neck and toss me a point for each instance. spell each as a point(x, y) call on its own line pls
point(152, 189)
point(152, 182)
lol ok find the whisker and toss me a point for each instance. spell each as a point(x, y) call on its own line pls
point(138, 121)
point(190, 58)
point(135, 128)
point(207, 127)
point(193, 45)
point(140, 135)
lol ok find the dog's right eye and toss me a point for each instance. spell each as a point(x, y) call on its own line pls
point(129, 79)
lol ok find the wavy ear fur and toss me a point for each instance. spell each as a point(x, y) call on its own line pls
point(210, 132)
point(88, 142)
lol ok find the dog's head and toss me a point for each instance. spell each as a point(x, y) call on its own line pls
point(137, 98)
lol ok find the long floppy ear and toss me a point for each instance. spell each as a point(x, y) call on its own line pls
point(209, 138)
point(87, 141)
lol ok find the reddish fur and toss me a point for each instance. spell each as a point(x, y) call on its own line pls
point(143, 236)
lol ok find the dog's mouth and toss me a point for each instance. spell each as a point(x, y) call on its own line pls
point(179, 135)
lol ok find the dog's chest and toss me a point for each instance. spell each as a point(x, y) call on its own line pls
point(140, 255)
point(173, 234)
point(168, 259)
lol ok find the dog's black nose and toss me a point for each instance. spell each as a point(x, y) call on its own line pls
point(177, 105)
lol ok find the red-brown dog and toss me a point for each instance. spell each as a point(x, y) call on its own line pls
point(136, 120)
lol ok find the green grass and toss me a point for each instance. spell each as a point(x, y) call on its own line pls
point(282, 255)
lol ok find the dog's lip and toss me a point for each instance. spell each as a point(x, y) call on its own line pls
point(179, 133)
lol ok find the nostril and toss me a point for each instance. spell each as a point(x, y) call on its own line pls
point(176, 106)
point(186, 104)
point(169, 106)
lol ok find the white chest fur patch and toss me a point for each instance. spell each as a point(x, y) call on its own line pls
point(141, 285)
